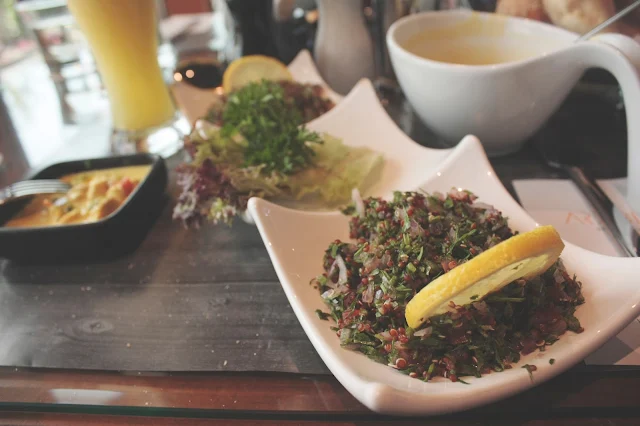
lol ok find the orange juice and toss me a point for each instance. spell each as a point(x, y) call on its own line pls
point(124, 41)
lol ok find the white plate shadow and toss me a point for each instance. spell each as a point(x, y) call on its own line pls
point(296, 241)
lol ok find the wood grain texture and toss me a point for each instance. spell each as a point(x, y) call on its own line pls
point(37, 419)
point(186, 299)
point(582, 392)
point(203, 299)
point(203, 308)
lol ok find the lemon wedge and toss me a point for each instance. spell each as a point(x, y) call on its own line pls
point(252, 68)
point(521, 256)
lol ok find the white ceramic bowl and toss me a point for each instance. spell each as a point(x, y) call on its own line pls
point(503, 104)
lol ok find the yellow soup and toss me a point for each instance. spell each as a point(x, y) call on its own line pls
point(93, 195)
point(478, 40)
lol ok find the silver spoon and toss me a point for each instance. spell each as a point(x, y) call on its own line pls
point(608, 22)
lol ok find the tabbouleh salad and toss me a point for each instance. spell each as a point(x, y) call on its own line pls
point(398, 248)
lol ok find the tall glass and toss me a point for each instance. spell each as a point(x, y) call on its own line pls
point(123, 37)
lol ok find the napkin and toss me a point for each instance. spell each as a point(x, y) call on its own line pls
point(560, 203)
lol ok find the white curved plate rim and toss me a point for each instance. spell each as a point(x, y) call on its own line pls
point(295, 241)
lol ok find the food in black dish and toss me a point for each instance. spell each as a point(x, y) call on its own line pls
point(94, 195)
point(102, 233)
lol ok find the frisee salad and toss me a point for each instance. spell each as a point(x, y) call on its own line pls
point(398, 248)
point(260, 147)
point(307, 99)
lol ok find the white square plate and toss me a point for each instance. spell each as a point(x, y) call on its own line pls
point(296, 241)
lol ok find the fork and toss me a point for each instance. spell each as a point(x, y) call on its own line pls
point(27, 188)
point(603, 207)
point(596, 198)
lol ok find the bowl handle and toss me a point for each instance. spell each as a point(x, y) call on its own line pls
point(620, 55)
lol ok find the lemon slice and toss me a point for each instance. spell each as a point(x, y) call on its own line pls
point(521, 256)
point(252, 68)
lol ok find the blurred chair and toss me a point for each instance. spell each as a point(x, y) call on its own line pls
point(13, 161)
point(69, 62)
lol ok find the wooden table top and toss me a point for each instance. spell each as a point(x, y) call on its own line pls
point(194, 325)
point(582, 396)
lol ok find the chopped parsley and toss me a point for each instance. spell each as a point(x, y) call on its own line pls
point(530, 369)
point(399, 247)
point(322, 315)
point(276, 138)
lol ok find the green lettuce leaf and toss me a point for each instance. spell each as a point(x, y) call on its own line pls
point(337, 170)
point(217, 184)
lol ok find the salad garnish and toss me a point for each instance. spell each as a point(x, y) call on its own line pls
point(401, 246)
point(308, 99)
point(260, 147)
point(271, 126)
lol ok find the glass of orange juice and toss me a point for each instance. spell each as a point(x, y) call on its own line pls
point(123, 37)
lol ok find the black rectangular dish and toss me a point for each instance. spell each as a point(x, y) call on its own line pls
point(116, 234)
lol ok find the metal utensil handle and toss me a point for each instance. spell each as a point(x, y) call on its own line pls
point(608, 22)
point(5, 195)
point(600, 202)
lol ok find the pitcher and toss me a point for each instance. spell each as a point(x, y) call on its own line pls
point(343, 46)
